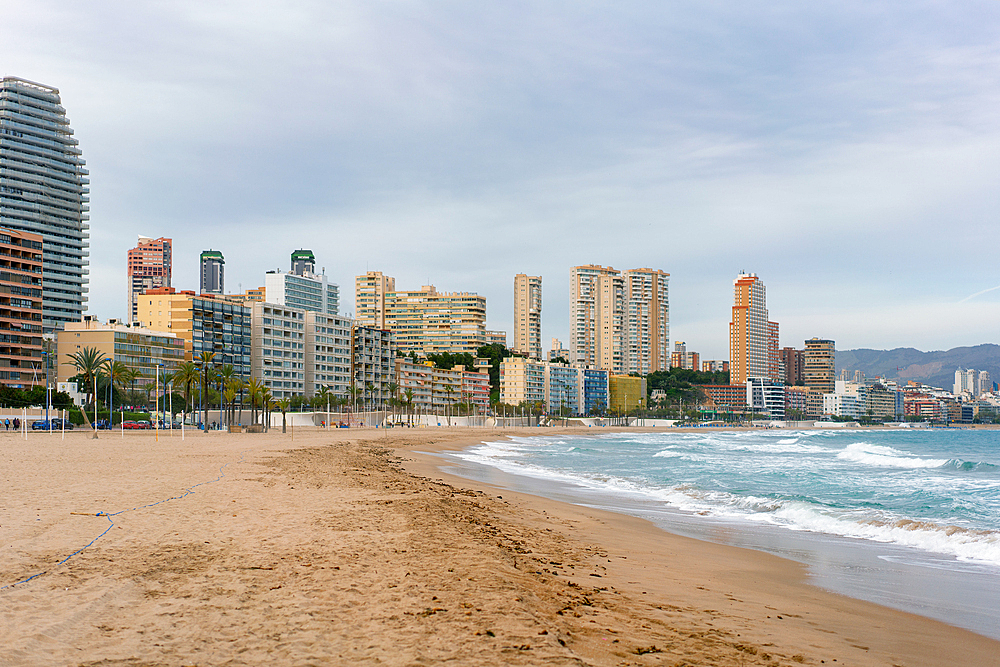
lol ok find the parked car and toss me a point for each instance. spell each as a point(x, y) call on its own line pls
point(144, 424)
point(55, 424)
point(130, 424)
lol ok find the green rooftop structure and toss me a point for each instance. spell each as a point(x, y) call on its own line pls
point(213, 272)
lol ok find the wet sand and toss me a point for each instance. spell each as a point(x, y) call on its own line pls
point(345, 547)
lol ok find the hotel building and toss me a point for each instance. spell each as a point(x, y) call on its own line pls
point(140, 349)
point(302, 288)
point(424, 321)
point(328, 353)
point(21, 309)
point(753, 340)
point(149, 266)
point(370, 291)
point(45, 191)
point(528, 315)
point(205, 322)
point(279, 349)
point(372, 363)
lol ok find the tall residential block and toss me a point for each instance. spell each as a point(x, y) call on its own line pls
point(619, 321)
point(328, 354)
point(369, 298)
point(646, 323)
point(528, 315)
point(681, 358)
point(278, 356)
point(149, 266)
point(21, 309)
point(44, 190)
point(213, 272)
point(424, 321)
point(596, 307)
point(302, 287)
point(753, 339)
point(205, 322)
point(818, 366)
point(792, 361)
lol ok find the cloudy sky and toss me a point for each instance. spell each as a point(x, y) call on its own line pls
point(846, 152)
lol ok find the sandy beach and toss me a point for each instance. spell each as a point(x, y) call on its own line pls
point(348, 546)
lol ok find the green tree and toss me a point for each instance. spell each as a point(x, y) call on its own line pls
point(187, 375)
point(88, 363)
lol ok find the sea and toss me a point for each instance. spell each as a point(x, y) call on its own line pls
point(908, 518)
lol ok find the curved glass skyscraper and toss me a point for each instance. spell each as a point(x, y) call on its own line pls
point(44, 189)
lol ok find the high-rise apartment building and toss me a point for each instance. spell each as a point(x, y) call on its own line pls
point(528, 315)
point(753, 339)
point(21, 309)
point(370, 291)
point(328, 354)
point(818, 366)
point(646, 323)
point(213, 272)
point(792, 360)
point(278, 357)
point(681, 358)
point(205, 322)
point(596, 307)
point(424, 321)
point(45, 191)
point(302, 287)
point(149, 266)
point(620, 322)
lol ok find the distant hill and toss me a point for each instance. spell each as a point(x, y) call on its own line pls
point(933, 368)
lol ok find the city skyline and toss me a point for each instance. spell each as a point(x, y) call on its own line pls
point(827, 146)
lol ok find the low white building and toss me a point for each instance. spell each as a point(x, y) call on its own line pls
point(764, 395)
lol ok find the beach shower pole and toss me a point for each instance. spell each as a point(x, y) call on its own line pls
point(156, 402)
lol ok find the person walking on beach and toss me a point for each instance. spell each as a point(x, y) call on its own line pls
point(6, 424)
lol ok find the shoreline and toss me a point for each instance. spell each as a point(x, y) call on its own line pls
point(873, 631)
point(319, 547)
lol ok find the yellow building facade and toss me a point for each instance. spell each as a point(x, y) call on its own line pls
point(628, 392)
point(139, 348)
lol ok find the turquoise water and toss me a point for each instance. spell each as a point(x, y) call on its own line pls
point(906, 517)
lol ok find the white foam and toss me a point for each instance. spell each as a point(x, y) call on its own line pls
point(886, 457)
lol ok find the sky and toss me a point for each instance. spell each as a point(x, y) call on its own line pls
point(845, 152)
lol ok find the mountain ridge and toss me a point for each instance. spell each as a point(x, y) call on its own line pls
point(936, 368)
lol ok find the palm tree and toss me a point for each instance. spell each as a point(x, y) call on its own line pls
point(117, 374)
point(265, 407)
point(88, 363)
point(205, 362)
point(226, 374)
point(229, 396)
point(254, 387)
point(283, 405)
point(187, 375)
point(409, 405)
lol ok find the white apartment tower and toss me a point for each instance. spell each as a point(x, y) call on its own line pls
point(528, 315)
point(647, 321)
point(596, 306)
